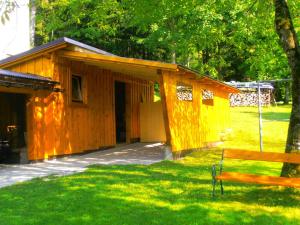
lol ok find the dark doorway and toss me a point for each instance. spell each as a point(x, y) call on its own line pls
point(120, 111)
point(12, 127)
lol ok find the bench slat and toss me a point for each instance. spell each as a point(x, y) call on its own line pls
point(258, 179)
point(262, 156)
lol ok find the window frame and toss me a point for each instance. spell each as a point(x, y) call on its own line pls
point(189, 86)
point(83, 87)
point(208, 101)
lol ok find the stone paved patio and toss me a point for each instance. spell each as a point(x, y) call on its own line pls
point(138, 153)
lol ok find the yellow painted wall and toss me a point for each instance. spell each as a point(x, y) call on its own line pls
point(152, 122)
point(56, 126)
point(42, 65)
point(193, 124)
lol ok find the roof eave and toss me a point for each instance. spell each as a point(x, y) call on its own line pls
point(229, 88)
point(22, 80)
point(47, 48)
point(117, 59)
point(29, 56)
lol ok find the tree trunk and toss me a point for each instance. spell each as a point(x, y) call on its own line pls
point(32, 8)
point(289, 42)
point(287, 93)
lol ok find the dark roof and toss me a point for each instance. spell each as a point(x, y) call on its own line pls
point(250, 85)
point(12, 74)
point(51, 44)
point(24, 80)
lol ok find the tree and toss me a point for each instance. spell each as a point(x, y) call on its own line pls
point(226, 39)
point(6, 7)
point(229, 40)
point(289, 42)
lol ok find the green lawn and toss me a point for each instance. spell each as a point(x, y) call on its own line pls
point(246, 128)
point(170, 192)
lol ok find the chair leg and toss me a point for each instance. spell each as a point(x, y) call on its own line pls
point(213, 173)
point(222, 189)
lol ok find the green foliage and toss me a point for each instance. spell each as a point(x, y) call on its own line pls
point(94, 22)
point(169, 192)
point(230, 40)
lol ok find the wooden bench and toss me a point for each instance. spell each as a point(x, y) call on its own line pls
point(251, 178)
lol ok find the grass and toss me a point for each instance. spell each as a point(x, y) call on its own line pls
point(169, 192)
point(156, 97)
point(245, 126)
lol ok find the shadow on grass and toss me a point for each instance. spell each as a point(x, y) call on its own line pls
point(271, 116)
point(258, 194)
point(276, 116)
point(170, 192)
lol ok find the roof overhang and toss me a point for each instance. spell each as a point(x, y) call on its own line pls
point(27, 81)
point(143, 69)
point(194, 75)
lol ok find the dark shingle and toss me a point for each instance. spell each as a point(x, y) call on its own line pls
point(24, 80)
point(12, 74)
point(53, 44)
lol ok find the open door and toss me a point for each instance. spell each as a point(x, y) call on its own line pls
point(12, 128)
point(120, 111)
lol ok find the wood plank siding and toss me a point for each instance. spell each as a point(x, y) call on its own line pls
point(42, 65)
point(58, 126)
point(193, 124)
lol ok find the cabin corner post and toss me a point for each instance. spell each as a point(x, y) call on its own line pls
point(161, 80)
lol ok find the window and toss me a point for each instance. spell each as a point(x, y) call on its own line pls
point(184, 92)
point(207, 97)
point(77, 94)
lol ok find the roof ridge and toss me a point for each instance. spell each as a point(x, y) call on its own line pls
point(54, 43)
point(86, 46)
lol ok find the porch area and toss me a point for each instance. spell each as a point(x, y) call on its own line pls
point(138, 153)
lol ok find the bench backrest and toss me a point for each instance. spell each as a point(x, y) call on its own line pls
point(262, 156)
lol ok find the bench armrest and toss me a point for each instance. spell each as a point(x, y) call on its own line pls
point(214, 168)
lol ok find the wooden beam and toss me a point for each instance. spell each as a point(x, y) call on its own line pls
point(115, 59)
point(140, 73)
point(165, 108)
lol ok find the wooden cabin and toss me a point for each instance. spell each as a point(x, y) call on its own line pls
point(66, 97)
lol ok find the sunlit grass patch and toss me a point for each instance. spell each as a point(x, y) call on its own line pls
point(169, 192)
point(245, 126)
